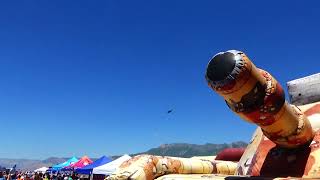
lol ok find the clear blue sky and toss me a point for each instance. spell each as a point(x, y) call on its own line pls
point(97, 77)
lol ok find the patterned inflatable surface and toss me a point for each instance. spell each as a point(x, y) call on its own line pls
point(148, 167)
point(264, 158)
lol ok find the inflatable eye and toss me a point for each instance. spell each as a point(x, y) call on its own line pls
point(220, 66)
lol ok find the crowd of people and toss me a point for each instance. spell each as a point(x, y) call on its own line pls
point(5, 175)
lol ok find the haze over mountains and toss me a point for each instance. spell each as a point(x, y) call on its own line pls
point(175, 149)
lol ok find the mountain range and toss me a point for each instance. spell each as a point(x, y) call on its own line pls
point(175, 149)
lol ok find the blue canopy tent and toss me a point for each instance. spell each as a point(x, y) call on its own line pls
point(64, 164)
point(88, 169)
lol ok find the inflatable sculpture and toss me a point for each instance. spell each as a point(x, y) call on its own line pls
point(286, 143)
point(257, 97)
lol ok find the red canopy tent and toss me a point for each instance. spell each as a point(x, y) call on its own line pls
point(84, 161)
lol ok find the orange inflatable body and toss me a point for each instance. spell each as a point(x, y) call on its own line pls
point(285, 145)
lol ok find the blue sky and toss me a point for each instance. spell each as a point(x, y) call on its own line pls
point(97, 77)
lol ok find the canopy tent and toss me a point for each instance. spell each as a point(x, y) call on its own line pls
point(88, 169)
point(84, 161)
point(42, 169)
point(64, 164)
point(111, 166)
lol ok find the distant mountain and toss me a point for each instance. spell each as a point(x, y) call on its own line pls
point(189, 150)
point(176, 149)
point(30, 164)
point(54, 160)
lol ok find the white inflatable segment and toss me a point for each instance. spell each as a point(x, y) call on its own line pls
point(304, 90)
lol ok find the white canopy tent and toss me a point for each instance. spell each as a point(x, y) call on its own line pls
point(42, 169)
point(110, 167)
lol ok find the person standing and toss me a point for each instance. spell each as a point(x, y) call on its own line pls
point(1, 175)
